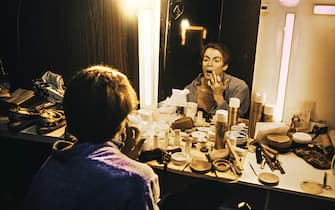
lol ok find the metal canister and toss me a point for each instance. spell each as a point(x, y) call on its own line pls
point(220, 129)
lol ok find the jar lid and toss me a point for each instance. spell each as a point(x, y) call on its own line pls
point(234, 102)
point(269, 109)
point(302, 138)
point(268, 178)
point(221, 115)
point(260, 97)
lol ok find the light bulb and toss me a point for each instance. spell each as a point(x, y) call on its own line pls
point(289, 3)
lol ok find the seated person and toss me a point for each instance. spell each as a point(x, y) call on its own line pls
point(213, 88)
point(92, 173)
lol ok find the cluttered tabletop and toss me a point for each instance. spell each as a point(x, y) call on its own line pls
point(274, 158)
point(299, 168)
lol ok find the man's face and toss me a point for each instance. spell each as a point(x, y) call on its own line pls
point(213, 62)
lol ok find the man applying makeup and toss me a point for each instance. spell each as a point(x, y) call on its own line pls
point(213, 88)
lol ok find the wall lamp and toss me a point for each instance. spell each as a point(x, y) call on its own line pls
point(148, 44)
point(148, 18)
point(284, 65)
point(185, 26)
point(324, 9)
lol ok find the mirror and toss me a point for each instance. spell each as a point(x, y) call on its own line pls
point(232, 22)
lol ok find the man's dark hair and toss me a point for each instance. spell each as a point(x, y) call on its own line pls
point(221, 47)
point(96, 102)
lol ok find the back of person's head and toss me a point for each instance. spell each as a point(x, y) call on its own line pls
point(96, 102)
point(224, 50)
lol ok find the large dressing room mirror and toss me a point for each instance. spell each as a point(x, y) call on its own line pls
point(232, 22)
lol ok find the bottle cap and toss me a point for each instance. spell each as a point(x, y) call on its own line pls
point(269, 109)
point(221, 115)
point(234, 102)
point(259, 97)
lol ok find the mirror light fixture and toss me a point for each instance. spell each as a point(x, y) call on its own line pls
point(284, 65)
point(324, 9)
point(289, 3)
point(148, 44)
point(185, 26)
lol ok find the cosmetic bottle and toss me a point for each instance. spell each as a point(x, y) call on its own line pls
point(220, 128)
point(268, 113)
point(256, 110)
point(233, 111)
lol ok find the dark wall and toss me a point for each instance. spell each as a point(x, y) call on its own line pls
point(65, 36)
point(239, 32)
point(8, 48)
point(232, 22)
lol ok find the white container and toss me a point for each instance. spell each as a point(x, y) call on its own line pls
point(268, 113)
point(176, 137)
point(237, 138)
point(191, 109)
point(179, 158)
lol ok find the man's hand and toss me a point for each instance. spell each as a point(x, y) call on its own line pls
point(216, 84)
point(133, 144)
point(218, 87)
point(205, 98)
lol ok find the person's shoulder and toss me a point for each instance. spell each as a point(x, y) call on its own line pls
point(195, 82)
point(236, 82)
point(141, 169)
point(115, 160)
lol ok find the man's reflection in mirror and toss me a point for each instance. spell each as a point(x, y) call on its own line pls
point(213, 87)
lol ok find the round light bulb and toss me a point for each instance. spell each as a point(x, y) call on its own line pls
point(289, 3)
point(184, 24)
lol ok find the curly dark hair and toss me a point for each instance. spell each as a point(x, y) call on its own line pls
point(96, 102)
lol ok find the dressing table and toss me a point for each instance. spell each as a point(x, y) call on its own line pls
point(296, 169)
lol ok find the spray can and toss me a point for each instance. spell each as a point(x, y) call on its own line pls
point(220, 128)
point(233, 111)
point(256, 109)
